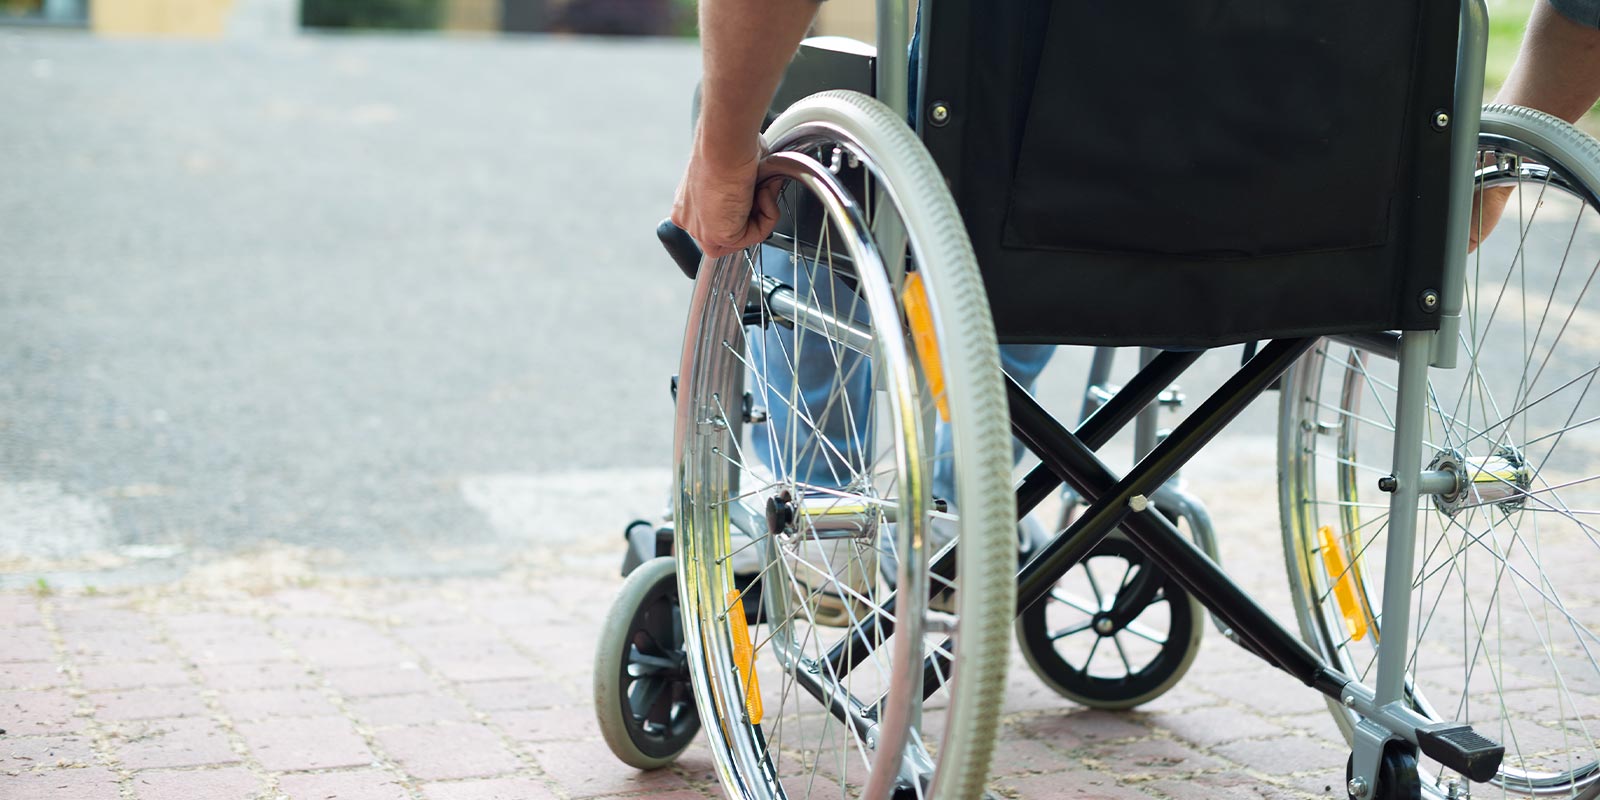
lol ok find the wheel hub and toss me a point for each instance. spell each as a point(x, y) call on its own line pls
point(821, 516)
point(1503, 479)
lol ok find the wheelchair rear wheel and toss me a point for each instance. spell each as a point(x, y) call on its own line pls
point(814, 373)
point(1507, 608)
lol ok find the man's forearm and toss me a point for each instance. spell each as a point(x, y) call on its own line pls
point(1558, 68)
point(745, 45)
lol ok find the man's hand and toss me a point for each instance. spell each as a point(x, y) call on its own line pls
point(1557, 71)
point(1487, 206)
point(744, 46)
point(719, 203)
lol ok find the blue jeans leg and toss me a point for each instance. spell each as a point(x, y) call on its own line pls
point(1023, 362)
point(805, 366)
point(798, 380)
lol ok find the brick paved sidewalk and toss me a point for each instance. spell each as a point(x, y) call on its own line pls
point(470, 689)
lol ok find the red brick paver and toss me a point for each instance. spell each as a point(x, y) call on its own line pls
point(125, 675)
point(583, 769)
point(312, 694)
point(304, 743)
point(184, 742)
point(254, 675)
point(449, 750)
point(399, 678)
point(232, 783)
point(363, 784)
point(409, 709)
point(1082, 785)
point(31, 675)
point(22, 754)
point(93, 783)
point(258, 704)
point(27, 644)
point(39, 713)
point(126, 705)
point(479, 689)
point(491, 789)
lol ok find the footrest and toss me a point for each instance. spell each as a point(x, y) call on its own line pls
point(1462, 749)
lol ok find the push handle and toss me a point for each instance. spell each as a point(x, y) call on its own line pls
point(681, 246)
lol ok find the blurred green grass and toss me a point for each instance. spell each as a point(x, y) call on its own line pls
point(1507, 19)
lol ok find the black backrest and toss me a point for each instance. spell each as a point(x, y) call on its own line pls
point(1196, 172)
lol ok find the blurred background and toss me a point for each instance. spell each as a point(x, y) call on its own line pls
point(216, 17)
point(603, 17)
point(369, 282)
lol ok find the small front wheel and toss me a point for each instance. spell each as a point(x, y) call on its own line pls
point(642, 695)
point(1114, 633)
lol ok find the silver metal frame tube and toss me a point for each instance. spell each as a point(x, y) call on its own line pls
point(1397, 718)
point(1410, 418)
point(1383, 712)
point(785, 305)
point(1144, 425)
point(1471, 51)
point(893, 78)
point(893, 87)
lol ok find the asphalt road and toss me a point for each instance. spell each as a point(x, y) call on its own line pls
point(296, 290)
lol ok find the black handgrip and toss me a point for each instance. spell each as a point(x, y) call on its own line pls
point(681, 246)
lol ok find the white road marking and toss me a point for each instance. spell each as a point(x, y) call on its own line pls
point(40, 519)
point(568, 507)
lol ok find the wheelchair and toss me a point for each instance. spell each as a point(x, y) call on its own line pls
point(843, 583)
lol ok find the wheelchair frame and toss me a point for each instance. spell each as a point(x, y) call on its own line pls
point(1068, 456)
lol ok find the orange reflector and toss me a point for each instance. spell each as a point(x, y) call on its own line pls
point(926, 340)
point(1344, 587)
point(744, 653)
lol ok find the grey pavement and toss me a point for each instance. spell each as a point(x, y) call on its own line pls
point(301, 290)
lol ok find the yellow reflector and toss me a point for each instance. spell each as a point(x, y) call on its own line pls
point(926, 340)
point(744, 653)
point(1344, 587)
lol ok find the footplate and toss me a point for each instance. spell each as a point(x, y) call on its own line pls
point(1462, 749)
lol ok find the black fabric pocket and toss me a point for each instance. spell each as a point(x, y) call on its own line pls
point(1213, 128)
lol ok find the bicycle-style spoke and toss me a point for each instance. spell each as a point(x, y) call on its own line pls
point(1502, 634)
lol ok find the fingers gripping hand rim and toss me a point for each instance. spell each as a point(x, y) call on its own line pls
point(726, 208)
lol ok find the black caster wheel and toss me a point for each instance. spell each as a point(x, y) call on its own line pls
point(1114, 632)
point(1397, 776)
point(642, 695)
